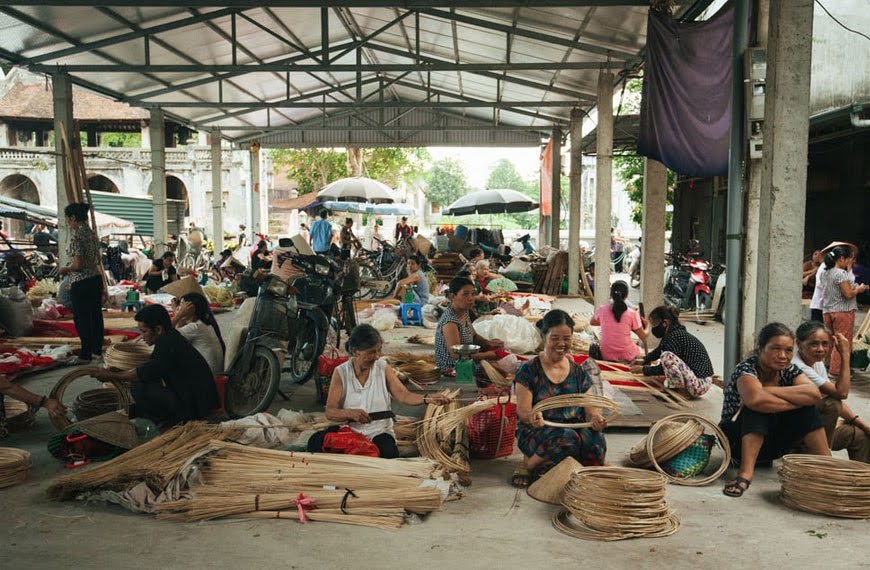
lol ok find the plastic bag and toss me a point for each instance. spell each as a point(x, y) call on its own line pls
point(349, 442)
point(16, 312)
point(382, 319)
point(518, 334)
point(47, 310)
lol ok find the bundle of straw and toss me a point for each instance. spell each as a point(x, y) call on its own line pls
point(576, 400)
point(579, 345)
point(127, 355)
point(419, 371)
point(155, 462)
point(421, 339)
point(826, 485)
point(673, 443)
point(14, 466)
point(616, 503)
point(397, 358)
point(494, 374)
point(63, 422)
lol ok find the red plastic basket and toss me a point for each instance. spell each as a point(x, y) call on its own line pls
point(491, 433)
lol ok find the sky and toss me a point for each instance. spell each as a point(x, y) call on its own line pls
point(478, 161)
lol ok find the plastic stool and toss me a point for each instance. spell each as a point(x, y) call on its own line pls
point(132, 306)
point(412, 314)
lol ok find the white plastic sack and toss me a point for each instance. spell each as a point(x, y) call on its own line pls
point(519, 335)
point(16, 312)
point(383, 319)
point(47, 310)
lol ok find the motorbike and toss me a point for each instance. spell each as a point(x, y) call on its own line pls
point(525, 241)
point(633, 258)
point(688, 284)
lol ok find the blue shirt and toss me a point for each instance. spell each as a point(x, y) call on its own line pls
point(321, 235)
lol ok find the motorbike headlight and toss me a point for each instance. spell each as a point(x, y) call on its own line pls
point(277, 286)
point(321, 269)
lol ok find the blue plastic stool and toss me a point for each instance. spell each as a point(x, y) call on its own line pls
point(412, 314)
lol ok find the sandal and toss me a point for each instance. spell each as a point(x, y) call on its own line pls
point(737, 488)
point(521, 478)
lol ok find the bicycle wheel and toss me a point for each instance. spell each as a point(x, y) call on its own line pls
point(307, 346)
point(367, 273)
point(251, 391)
point(347, 314)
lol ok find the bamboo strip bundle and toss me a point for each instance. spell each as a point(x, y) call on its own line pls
point(421, 371)
point(826, 485)
point(127, 355)
point(14, 466)
point(579, 345)
point(155, 462)
point(673, 437)
point(402, 357)
point(406, 432)
point(441, 435)
point(671, 398)
point(495, 376)
point(386, 523)
point(616, 503)
point(63, 422)
point(421, 339)
point(721, 440)
point(41, 341)
point(576, 400)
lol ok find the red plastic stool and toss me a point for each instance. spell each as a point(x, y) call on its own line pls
point(220, 382)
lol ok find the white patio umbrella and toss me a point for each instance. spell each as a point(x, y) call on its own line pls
point(503, 201)
point(358, 189)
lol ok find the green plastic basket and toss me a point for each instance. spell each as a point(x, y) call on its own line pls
point(692, 460)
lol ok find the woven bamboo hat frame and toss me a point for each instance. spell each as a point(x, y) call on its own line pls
point(127, 355)
point(576, 400)
point(671, 438)
point(14, 466)
point(721, 440)
point(114, 428)
point(826, 485)
point(63, 422)
point(551, 486)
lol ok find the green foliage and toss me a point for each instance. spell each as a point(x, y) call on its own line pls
point(446, 181)
point(629, 169)
point(504, 175)
point(314, 168)
point(121, 140)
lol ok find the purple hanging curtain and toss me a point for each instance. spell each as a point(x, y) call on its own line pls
point(685, 111)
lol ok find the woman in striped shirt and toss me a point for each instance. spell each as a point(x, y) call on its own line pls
point(839, 304)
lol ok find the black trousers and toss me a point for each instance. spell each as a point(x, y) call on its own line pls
point(87, 301)
point(153, 401)
point(817, 315)
point(386, 443)
point(782, 431)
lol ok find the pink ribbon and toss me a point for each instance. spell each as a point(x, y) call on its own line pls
point(303, 504)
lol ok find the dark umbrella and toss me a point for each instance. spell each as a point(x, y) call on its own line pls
point(491, 202)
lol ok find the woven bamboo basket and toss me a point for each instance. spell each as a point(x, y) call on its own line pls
point(18, 414)
point(63, 422)
point(826, 485)
point(673, 437)
point(576, 400)
point(616, 503)
point(14, 466)
point(127, 355)
point(96, 402)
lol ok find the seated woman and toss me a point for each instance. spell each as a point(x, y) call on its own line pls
point(683, 359)
point(617, 322)
point(769, 407)
point(261, 258)
point(195, 321)
point(416, 279)
point(55, 408)
point(483, 304)
point(455, 327)
point(553, 373)
point(363, 385)
point(814, 343)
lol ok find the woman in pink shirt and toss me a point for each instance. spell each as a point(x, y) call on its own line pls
point(617, 323)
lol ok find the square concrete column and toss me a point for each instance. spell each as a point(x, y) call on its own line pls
point(782, 204)
point(652, 260)
point(217, 224)
point(556, 188)
point(603, 187)
point(574, 203)
point(61, 86)
point(256, 198)
point(158, 179)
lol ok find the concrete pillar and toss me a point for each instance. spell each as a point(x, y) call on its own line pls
point(255, 225)
point(61, 85)
point(574, 203)
point(603, 187)
point(217, 224)
point(158, 179)
point(556, 189)
point(652, 260)
point(784, 171)
point(748, 326)
point(146, 135)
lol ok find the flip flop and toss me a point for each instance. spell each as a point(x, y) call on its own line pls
point(521, 478)
point(735, 489)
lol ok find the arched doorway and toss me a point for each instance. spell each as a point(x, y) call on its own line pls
point(22, 188)
point(101, 183)
point(176, 190)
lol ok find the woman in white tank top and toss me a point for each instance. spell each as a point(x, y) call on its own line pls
point(363, 385)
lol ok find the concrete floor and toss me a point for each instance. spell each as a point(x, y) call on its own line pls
point(493, 526)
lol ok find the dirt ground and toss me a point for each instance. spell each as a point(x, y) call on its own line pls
point(492, 526)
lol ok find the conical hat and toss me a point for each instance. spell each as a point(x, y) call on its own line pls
point(551, 485)
point(182, 287)
point(113, 428)
point(834, 244)
point(672, 438)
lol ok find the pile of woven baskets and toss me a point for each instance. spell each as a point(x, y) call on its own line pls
point(127, 355)
point(826, 485)
point(14, 466)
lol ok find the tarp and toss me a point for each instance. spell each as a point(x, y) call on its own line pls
point(685, 112)
point(106, 224)
point(547, 180)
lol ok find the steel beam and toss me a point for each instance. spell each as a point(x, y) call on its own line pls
point(342, 3)
point(358, 105)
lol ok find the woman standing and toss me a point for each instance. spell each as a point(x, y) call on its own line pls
point(363, 385)
point(617, 323)
point(839, 304)
point(455, 328)
point(553, 373)
point(683, 359)
point(86, 283)
point(769, 407)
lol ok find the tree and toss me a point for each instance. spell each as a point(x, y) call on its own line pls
point(446, 181)
point(629, 169)
point(503, 174)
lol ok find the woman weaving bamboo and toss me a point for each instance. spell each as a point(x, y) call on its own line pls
point(362, 386)
point(553, 373)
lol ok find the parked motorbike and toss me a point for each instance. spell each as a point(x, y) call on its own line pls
point(687, 284)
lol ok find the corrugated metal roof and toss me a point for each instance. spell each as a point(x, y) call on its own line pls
point(139, 210)
point(530, 62)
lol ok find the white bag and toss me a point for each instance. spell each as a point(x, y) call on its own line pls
point(519, 335)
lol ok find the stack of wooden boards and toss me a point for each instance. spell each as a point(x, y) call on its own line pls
point(548, 277)
point(447, 265)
